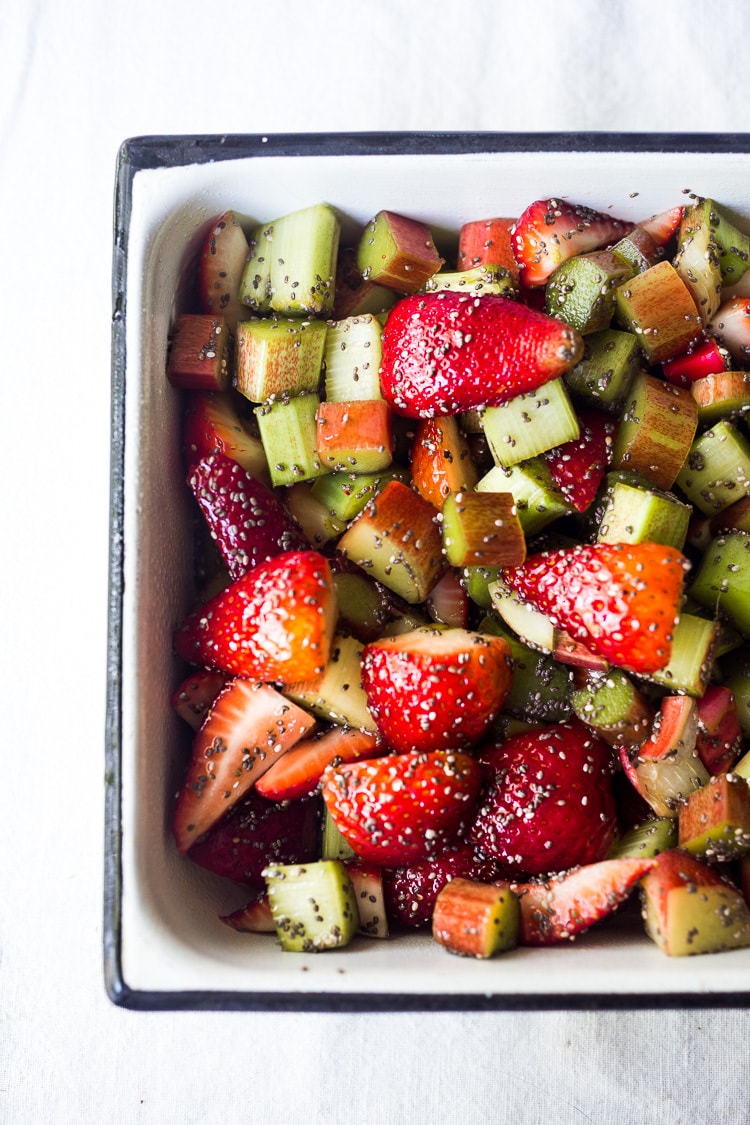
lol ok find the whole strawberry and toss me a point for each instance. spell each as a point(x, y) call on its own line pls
point(548, 805)
point(449, 352)
point(404, 807)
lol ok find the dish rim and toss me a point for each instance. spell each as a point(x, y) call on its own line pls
point(142, 153)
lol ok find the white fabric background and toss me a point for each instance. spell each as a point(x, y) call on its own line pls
point(76, 78)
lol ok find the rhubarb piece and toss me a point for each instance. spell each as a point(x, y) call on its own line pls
point(247, 521)
point(220, 268)
point(440, 460)
point(332, 843)
point(482, 529)
point(567, 905)
point(646, 840)
point(345, 494)
point(690, 909)
point(694, 646)
point(721, 395)
point(731, 327)
point(487, 242)
point(396, 540)
point(193, 698)
point(291, 266)
point(253, 918)
point(722, 579)
point(367, 881)
point(199, 353)
point(273, 624)
point(612, 706)
point(214, 425)
point(477, 281)
point(402, 808)
point(703, 358)
point(714, 821)
point(659, 309)
point(716, 472)
point(638, 250)
point(603, 376)
point(447, 353)
point(657, 427)
point(548, 803)
point(278, 356)
point(448, 603)
point(666, 768)
point(530, 423)
point(637, 515)
point(248, 727)
point(550, 231)
point(540, 688)
point(317, 523)
point(734, 518)
point(256, 832)
point(354, 436)
point(697, 258)
point(288, 431)
point(476, 919)
point(435, 689)
point(298, 772)
point(353, 294)
point(719, 740)
point(314, 906)
point(352, 356)
point(397, 252)
point(337, 696)
point(538, 500)
point(620, 600)
point(582, 290)
point(365, 606)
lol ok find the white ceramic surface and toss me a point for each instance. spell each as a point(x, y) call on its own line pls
point(171, 940)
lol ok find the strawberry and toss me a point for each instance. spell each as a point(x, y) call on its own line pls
point(253, 918)
point(193, 698)
point(410, 891)
point(719, 738)
point(664, 226)
point(221, 266)
point(550, 231)
point(256, 832)
point(299, 771)
point(247, 728)
point(568, 904)
point(704, 358)
point(246, 519)
point(404, 807)
point(213, 424)
point(548, 803)
point(621, 600)
point(578, 467)
point(449, 352)
point(273, 624)
point(433, 689)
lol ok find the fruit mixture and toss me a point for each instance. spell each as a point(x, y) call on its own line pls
point(471, 648)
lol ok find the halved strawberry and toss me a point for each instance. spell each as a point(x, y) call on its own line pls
point(274, 624)
point(248, 727)
point(411, 891)
point(248, 521)
point(436, 689)
point(621, 600)
point(256, 832)
point(568, 904)
point(664, 226)
point(550, 231)
point(449, 352)
point(214, 425)
point(578, 467)
point(299, 771)
point(548, 804)
point(404, 807)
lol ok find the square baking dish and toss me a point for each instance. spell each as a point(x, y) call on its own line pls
point(163, 945)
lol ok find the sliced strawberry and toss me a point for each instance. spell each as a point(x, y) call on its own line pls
point(404, 807)
point(550, 231)
point(247, 728)
point(449, 352)
point(704, 358)
point(299, 771)
point(664, 226)
point(221, 266)
point(194, 696)
point(257, 832)
point(548, 804)
point(254, 918)
point(621, 600)
point(433, 689)
point(578, 467)
point(719, 738)
point(214, 425)
point(568, 904)
point(273, 624)
point(248, 521)
point(411, 891)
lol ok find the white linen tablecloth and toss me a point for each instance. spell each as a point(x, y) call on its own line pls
point(76, 79)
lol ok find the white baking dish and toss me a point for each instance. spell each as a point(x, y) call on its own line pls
point(164, 946)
